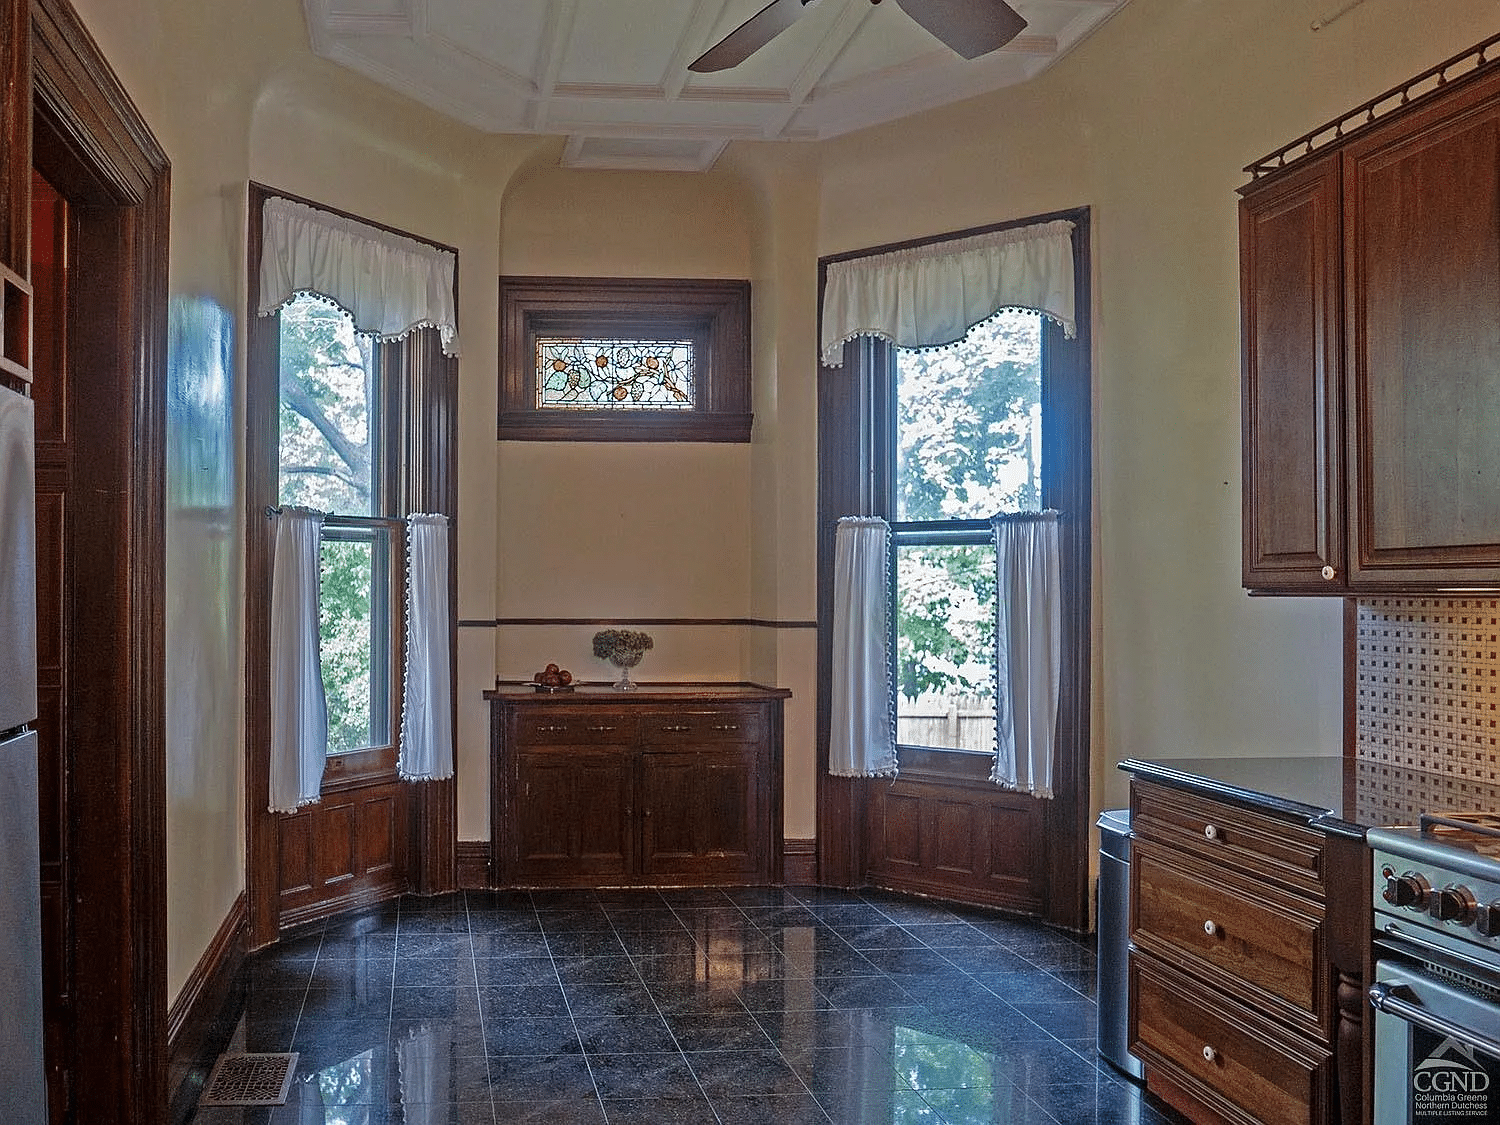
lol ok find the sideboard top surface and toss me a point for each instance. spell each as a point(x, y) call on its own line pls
point(646, 693)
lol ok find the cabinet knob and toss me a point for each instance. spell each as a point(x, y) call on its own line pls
point(1210, 832)
point(1329, 574)
point(1210, 927)
point(1209, 1054)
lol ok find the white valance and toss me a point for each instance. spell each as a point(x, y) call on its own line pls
point(930, 295)
point(389, 284)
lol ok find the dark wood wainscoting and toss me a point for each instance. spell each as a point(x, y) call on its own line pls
point(800, 860)
point(965, 840)
point(473, 865)
point(346, 851)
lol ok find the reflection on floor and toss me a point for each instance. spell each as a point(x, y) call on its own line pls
point(737, 1006)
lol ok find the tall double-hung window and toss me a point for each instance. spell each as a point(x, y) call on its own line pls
point(954, 441)
point(966, 445)
point(351, 413)
point(334, 456)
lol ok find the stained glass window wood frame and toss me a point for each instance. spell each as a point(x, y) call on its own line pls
point(712, 314)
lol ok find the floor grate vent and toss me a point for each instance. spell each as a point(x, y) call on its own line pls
point(244, 1079)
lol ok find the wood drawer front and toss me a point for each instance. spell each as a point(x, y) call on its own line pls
point(1223, 1052)
point(1285, 852)
point(1268, 948)
point(546, 726)
point(712, 724)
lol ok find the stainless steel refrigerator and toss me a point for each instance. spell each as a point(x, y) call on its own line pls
point(23, 1089)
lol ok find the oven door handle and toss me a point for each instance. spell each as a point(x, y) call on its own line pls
point(1384, 999)
point(1390, 929)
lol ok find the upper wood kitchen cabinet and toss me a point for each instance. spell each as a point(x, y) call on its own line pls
point(1370, 315)
point(1292, 379)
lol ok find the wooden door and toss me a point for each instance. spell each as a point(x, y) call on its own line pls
point(574, 816)
point(1292, 380)
point(702, 812)
point(1422, 276)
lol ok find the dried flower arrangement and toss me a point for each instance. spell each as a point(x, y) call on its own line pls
point(623, 648)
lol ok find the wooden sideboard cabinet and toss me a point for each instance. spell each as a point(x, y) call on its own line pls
point(660, 787)
point(1371, 350)
point(1232, 992)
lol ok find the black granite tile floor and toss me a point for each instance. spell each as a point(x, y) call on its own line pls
point(795, 1006)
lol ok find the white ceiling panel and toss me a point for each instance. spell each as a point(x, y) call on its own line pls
point(607, 73)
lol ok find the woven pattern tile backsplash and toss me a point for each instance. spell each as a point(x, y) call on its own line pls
point(1429, 688)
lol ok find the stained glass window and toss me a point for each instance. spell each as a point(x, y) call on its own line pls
point(614, 374)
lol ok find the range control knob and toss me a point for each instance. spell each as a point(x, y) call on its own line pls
point(1454, 903)
point(1487, 920)
point(1409, 890)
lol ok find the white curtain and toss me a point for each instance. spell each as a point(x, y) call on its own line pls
point(390, 284)
point(299, 712)
point(1028, 649)
point(427, 706)
point(930, 295)
point(863, 730)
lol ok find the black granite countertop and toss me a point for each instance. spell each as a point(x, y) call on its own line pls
point(1339, 795)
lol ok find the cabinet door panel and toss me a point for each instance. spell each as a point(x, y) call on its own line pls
point(573, 814)
point(703, 812)
point(1422, 235)
point(1292, 380)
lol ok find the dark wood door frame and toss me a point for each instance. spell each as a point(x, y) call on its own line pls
point(93, 145)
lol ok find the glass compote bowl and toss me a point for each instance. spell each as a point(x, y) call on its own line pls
point(625, 661)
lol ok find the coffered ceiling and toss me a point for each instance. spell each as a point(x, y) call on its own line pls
point(612, 75)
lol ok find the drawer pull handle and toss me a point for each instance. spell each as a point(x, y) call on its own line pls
point(1210, 927)
point(1209, 1054)
point(1210, 832)
point(726, 726)
point(547, 729)
point(676, 728)
point(601, 730)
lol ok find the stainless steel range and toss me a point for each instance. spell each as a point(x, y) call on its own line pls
point(1436, 989)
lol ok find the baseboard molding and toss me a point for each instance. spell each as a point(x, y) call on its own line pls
point(799, 862)
point(473, 865)
point(195, 1019)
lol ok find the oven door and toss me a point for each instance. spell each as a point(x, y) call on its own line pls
point(1437, 1055)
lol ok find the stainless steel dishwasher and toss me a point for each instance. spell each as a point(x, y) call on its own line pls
point(1113, 928)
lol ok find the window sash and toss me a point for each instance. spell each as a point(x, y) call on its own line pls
point(385, 623)
point(940, 533)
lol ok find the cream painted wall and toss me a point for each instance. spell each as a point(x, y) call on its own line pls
point(277, 115)
point(623, 531)
point(1147, 123)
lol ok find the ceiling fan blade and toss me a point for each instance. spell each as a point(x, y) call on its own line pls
point(970, 27)
point(750, 36)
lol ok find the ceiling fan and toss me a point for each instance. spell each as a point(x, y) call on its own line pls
point(970, 27)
